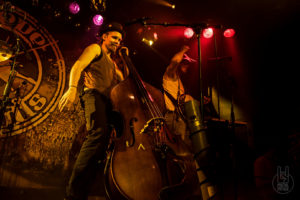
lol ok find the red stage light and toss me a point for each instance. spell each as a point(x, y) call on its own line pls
point(229, 33)
point(155, 36)
point(208, 33)
point(188, 32)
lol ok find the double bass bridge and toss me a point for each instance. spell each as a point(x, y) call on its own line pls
point(153, 125)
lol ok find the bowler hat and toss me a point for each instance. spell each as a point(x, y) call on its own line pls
point(112, 26)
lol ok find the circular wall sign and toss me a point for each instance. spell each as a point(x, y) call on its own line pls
point(40, 71)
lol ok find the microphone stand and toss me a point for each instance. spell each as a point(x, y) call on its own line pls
point(218, 76)
point(234, 159)
point(6, 100)
point(198, 31)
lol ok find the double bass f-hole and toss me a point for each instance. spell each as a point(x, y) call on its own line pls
point(131, 125)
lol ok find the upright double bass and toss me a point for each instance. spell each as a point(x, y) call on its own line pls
point(147, 162)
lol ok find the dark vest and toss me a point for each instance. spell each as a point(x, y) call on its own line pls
point(101, 75)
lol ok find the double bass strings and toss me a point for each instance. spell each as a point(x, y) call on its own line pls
point(152, 106)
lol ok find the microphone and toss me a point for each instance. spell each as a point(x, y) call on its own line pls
point(141, 21)
point(123, 51)
point(19, 46)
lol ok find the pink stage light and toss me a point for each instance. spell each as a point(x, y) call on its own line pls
point(155, 36)
point(98, 20)
point(229, 33)
point(208, 33)
point(188, 33)
point(74, 8)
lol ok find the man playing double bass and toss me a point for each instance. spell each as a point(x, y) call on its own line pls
point(101, 74)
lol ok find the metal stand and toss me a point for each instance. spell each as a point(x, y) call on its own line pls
point(198, 31)
point(232, 117)
point(6, 101)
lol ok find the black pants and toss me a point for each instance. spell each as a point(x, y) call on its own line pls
point(97, 108)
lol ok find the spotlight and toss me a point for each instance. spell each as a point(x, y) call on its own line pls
point(208, 33)
point(164, 3)
point(229, 33)
point(98, 20)
point(149, 35)
point(188, 33)
point(155, 36)
point(148, 42)
point(74, 8)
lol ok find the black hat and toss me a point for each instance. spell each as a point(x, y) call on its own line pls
point(112, 26)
